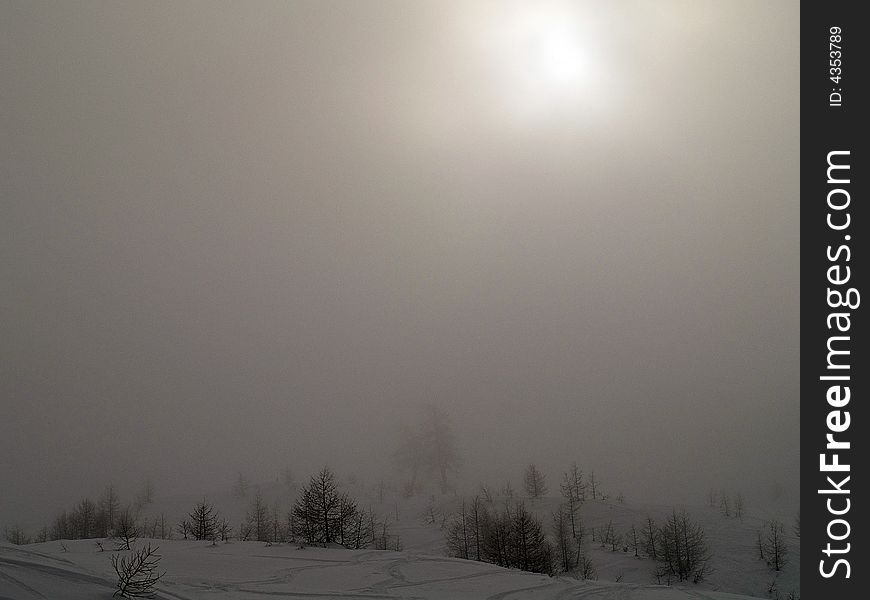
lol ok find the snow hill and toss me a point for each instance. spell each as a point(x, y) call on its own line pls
point(250, 570)
point(421, 570)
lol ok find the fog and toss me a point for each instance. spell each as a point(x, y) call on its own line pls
point(250, 236)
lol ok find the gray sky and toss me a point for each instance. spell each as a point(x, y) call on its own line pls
point(239, 236)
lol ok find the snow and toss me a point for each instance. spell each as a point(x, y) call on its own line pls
point(247, 570)
point(251, 570)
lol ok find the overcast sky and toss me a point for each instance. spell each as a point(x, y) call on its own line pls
point(244, 236)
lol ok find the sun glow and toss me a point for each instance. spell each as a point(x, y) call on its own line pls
point(537, 55)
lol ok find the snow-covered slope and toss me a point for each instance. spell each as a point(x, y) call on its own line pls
point(251, 570)
point(420, 570)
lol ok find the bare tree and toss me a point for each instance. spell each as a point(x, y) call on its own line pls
point(84, 518)
point(41, 535)
point(61, 527)
point(202, 521)
point(635, 542)
point(572, 487)
point(361, 529)
point(593, 485)
point(610, 537)
point(16, 535)
point(458, 535)
point(223, 529)
point(244, 531)
point(682, 548)
point(160, 528)
point(258, 518)
point(650, 538)
point(585, 568)
point(566, 550)
point(322, 514)
point(137, 573)
point(535, 482)
point(531, 549)
point(478, 517)
point(774, 545)
point(126, 530)
point(184, 528)
point(497, 538)
point(431, 514)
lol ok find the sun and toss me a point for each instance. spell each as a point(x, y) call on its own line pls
point(536, 53)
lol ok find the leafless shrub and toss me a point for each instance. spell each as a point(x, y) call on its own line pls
point(137, 573)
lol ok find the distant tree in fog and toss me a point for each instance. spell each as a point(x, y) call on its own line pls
point(739, 505)
point(279, 532)
point(41, 535)
point(724, 503)
point(508, 490)
point(797, 524)
point(711, 497)
point(108, 511)
point(410, 459)
point(593, 485)
point(535, 482)
point(486, 493)
point(61, 527)
point(84, 519)
point(146, 494)
point(241, 486)
point(15, 535)
point(428, 449)
point(159, 528)
point(287, 478)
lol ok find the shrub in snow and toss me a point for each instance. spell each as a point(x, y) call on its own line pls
point(137, 573)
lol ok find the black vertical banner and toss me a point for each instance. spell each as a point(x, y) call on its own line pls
point(834, 264)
